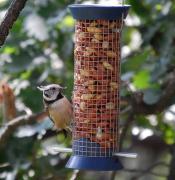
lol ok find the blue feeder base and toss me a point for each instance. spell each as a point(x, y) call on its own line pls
point(94, 163)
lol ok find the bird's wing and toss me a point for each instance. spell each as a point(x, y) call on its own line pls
point(50, 116)
point(46, 107)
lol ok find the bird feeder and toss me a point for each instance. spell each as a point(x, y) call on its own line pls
point(96, 95)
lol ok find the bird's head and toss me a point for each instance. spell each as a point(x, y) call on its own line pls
point(50, 92)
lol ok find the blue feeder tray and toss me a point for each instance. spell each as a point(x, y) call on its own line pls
point(92, 12)
point(94, 163)
point(89, 156)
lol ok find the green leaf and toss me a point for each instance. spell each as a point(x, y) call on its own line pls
point(135, 62)
point(169, 136)
point(67, 22)
point(142, 121)
point(141, 79)
point(11, 50)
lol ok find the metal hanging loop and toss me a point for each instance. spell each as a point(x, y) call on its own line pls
point(123, 3)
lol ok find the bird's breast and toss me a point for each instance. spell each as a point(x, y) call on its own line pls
point(61, 113)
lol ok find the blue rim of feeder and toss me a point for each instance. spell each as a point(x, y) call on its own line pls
point(87, 155)
point(94, 163)
point(94, 11)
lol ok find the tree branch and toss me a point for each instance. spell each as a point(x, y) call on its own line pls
point(140, 107)
point(143, 172)
point(126, 126)
point(172, 165)
point(11, 16)
point(10, 127)
point(149, 170)
point(75, 174)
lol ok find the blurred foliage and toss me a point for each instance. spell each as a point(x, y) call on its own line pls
point(39, 50)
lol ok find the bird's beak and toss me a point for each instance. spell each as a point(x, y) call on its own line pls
point(41, 88)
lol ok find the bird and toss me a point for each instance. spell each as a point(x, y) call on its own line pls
point(58, 107)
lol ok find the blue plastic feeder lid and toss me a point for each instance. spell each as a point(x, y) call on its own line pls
point(92, 12)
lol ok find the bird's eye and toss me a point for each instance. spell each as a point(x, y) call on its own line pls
point(45, 93)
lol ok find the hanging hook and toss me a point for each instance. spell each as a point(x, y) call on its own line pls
point(123, 3)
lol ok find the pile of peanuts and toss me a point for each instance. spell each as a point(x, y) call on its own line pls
point(96, 81)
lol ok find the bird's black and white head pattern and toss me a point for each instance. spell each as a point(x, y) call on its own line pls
point(51, 92)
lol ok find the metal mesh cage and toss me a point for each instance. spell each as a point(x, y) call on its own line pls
point(96, 87)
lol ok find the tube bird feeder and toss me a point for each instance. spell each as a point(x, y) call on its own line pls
point(96, 95)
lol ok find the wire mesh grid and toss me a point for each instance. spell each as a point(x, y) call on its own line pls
point(96, 87)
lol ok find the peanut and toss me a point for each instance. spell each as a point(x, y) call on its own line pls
point(110, 105)
point(100, 96)
point(89, 82)
point(111, 54)
point(81, 35)
point(98, 37)
point(95, 40)
point(99, 133)
point(82, 106)
point(94, 30)
point(108, 66)
point(105, 44)
point(86, 121)
point(89, 51)
point(84, 72)
point(113, 86)
point(112, 25)
point(91, 88)
point(87, 96)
